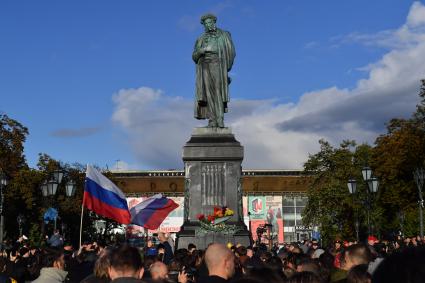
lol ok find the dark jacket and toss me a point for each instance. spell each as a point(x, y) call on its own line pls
point(55, 240)
point(4, 278)
point(93, 279)
point(212, 279)
point(17, 270)
point(168, 256)
point(127, 280)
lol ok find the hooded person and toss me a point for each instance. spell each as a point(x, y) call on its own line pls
point(53, 270)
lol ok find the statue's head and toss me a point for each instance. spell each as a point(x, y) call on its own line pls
point(209, 20)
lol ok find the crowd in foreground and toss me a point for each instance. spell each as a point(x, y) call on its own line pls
point(402, 260)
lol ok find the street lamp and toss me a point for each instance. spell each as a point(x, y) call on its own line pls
point(21, 220)
point(419, 175)
point(372, 188)
point(70, 188)
point(367, 173)
point(58, 175)
point(49, 188)
point(52, 187)
point(352, 188)
point(3, 183)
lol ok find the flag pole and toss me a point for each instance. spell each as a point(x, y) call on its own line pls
point(81, 221)
point(82, 215)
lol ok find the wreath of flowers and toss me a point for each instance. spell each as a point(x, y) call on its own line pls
point(216, 222)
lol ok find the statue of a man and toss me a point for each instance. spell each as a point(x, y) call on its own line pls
point(213, 54)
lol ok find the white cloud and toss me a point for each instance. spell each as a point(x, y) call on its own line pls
point(406, 36)
point(416, 15)
point(311, 44)
point(282, 135)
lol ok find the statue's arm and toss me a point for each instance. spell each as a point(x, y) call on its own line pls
point(232, 52)
point(197, 52)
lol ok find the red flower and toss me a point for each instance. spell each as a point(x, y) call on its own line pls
point(216, 209)
point(200, 216)
point(211, 218)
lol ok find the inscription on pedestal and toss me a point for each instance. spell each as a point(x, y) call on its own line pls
point(213, 184)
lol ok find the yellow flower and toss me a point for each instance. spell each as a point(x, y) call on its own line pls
point(229, 212)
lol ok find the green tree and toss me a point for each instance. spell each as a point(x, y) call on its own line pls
point(12, 138)
point(329, 203)
point(12, 162)
point(395, 156)
point(393, 159)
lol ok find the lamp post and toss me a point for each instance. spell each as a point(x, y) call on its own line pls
point(21, 221)
point(419, 176)
point(401, 217)
point(49, 188)
point(3, 183)
point(63, 226)
point(70, 188)
point(352, 187)
point(372, 188)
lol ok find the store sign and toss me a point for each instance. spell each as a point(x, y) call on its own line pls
point(303, 228)
point(265, 210)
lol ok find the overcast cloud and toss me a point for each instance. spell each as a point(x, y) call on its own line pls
point(282, 135)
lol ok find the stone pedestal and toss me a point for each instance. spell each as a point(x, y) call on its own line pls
point(212, 159)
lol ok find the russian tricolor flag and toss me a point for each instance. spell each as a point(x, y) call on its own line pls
point(104, 197)
point(152, 211)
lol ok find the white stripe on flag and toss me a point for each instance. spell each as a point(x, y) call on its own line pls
point(102, 181)
point(138, 207)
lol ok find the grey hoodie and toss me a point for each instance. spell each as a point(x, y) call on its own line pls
point(51, 275)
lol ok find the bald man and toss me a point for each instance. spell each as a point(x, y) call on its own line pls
point(220, 262)
point(159, 271)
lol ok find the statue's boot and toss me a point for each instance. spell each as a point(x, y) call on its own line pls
point(212, 124)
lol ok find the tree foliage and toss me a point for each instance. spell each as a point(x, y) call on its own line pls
point(330, 206)
point(12, 137)
point(393, 159)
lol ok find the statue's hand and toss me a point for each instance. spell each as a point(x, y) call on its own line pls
point(205, 49)
point(208, 49)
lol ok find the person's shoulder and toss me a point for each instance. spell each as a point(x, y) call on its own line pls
point(127, 280)
point(212, 279)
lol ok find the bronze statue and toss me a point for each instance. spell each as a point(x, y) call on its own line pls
point(213, 54)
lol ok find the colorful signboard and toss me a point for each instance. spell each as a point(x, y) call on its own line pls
point(266, 210)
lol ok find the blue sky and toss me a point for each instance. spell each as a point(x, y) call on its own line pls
point(101, 81)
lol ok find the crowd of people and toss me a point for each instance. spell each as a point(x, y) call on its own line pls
point(402, 260)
